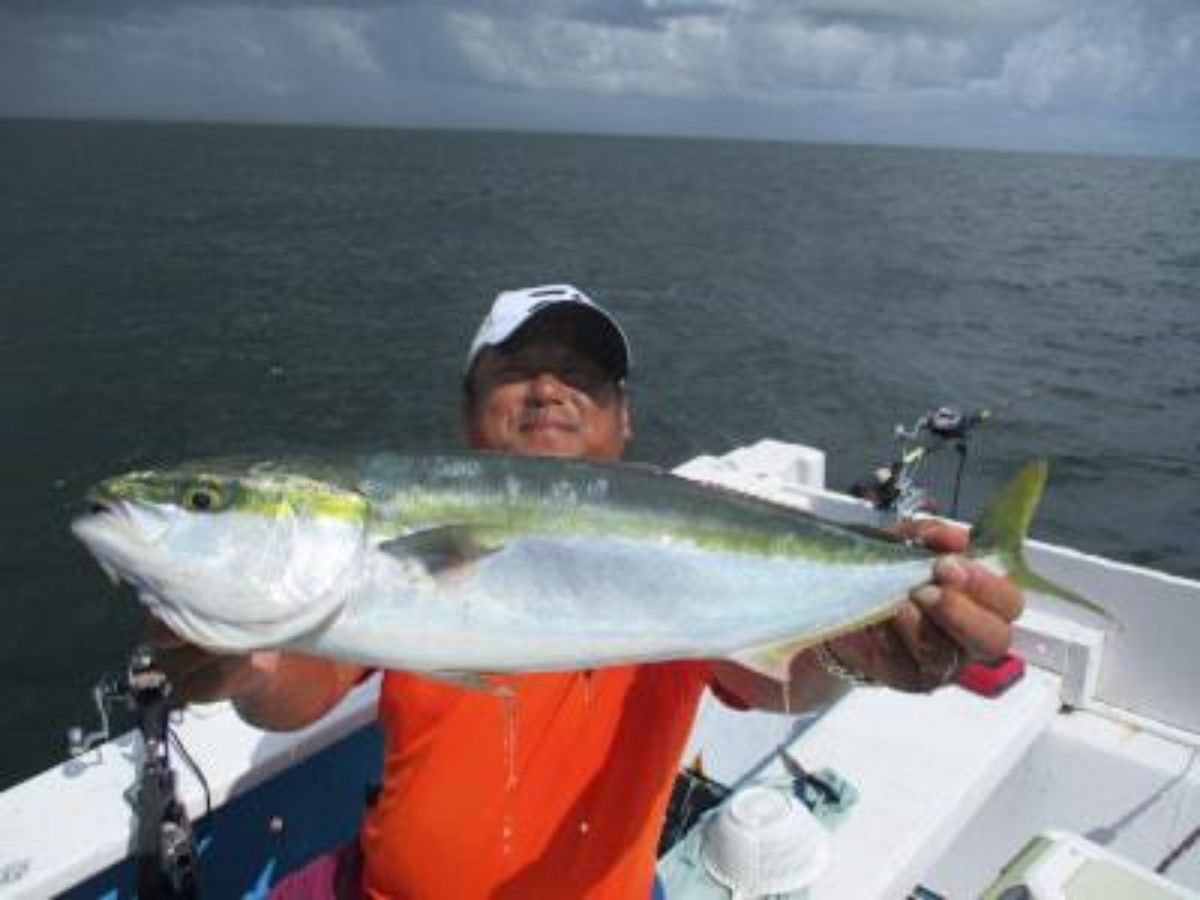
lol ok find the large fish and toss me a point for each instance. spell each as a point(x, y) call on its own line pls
point(480, 563)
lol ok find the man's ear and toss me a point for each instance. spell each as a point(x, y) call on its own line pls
point(469, 424)
point(626, 418)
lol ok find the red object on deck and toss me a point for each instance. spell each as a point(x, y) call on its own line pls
point(991, 679)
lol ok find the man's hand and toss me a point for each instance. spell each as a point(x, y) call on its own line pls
point(270, 689)
point(198, 675)
point(964, 614)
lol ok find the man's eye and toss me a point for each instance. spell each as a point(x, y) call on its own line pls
point(585, 378)
point(580, 379)
point(510, 375)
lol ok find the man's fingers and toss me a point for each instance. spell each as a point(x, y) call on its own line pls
point(935, 654)
point(214, 681)
point(976, 627)
point(179, 663)
point(990, 590)
point(936, 534)
point(197, 675)
point(160, 636)
point(964, 613)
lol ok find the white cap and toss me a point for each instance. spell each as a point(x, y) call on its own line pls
point(764, 841)
point(513, 309)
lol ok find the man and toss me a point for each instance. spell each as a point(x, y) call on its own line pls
point(555, 785)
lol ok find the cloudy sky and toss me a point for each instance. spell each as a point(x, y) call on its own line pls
point(1112, 76)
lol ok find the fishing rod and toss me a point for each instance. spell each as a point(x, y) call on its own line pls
point(164, 844)
point(894, 487)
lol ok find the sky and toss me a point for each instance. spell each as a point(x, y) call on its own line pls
point(1106, 76)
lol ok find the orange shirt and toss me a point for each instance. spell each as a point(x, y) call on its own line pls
point(556, 791)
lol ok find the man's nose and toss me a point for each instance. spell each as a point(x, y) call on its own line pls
point(547, 387)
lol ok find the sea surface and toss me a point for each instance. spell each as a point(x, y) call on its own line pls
point(168, 291)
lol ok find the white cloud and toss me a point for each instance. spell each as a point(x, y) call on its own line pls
point(342, 34)
point(802, 57)
point(941, 13)
point(1109, 56)
point(584, 56)
point(768, 60)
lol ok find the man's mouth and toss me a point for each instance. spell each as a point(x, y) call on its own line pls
point(546, 423)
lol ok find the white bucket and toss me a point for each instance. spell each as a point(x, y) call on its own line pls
point(764, 841)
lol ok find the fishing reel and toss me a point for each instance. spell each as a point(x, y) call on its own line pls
point(165, 845)
point(140, 683)
point(893, 487)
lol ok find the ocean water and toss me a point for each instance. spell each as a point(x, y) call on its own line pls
point(168, 291)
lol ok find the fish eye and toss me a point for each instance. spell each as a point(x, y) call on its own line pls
point(202, 498)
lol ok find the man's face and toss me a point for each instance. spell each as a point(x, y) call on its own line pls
point(542, 396)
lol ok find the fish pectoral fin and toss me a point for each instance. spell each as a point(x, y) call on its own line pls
point(440, 549)
point(774, 660)
point(472, 681)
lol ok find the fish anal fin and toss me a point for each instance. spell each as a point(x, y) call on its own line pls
point(441, 549)
point(774, 660)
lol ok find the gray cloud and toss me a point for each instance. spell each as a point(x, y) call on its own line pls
point(1126, 74)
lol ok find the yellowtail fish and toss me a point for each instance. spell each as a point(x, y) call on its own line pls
point(486, 563)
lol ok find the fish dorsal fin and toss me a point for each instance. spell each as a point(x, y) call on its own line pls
point(440, 549)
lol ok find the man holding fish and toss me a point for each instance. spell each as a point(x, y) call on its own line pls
point(554, 784)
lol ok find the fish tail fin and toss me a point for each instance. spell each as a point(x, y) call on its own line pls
point(1001, 528)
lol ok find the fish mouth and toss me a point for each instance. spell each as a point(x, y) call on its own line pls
point(115, 536)
point(107, 529)
point(102, 507)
